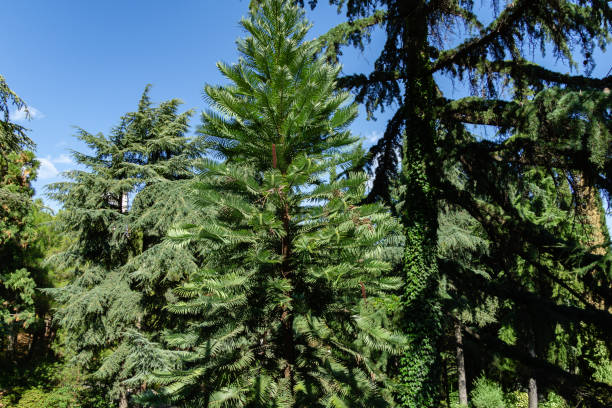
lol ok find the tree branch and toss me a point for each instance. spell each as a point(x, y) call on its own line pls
point(480, 111)
point(510, 289)
point(573, 387)
point(476, 46)
point(535, 74)
point(345, 33)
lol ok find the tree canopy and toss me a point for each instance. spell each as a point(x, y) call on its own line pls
point(270, 261)
point(546, 121)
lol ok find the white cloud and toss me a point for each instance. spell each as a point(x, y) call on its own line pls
point(47, 169)
point(372, 137)
point(20, 114)
point(62, 159)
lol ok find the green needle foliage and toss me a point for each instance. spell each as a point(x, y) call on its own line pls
point(251, 266)
point(116, 209)
point(290, 306)
point(26, 237)
point(21, 253)
point(22, 240)
point(556, 122)
point(13, 137)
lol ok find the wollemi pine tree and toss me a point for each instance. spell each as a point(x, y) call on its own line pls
point(289, 308)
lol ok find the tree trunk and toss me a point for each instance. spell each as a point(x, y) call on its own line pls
point(462, 383)
point(590, 210)
point(446, 385)
point(533, 386)
point(33, 341)
point(421, 363)
point(12, 342)
point(533, 393)
point(124, 202)
point(123, 401)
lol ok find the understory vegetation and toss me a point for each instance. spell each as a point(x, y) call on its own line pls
point(263, 258)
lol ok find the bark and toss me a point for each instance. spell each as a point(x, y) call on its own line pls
point(124, 202)
point(462, 383)
point(421, 364)
point(33, 340)
point(532, 389)
point(123, 401)
point(590, 211)
point(12, 343)
point(445, 383)
point(533, 393)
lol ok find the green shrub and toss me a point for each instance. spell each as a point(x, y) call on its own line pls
point(62, 397)
point(6, 401)
point(32, 398)
point(518, 399)
point(554, 401)
point(49, 385)
point(487, 394)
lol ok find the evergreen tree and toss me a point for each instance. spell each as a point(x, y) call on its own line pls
point(13, 137)
point(120, 269)
point(20, 272)
point(22, 310)
point(562, 129)
point(17, 170)
point(289, 308)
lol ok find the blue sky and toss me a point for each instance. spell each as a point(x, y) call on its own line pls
point(85, 63)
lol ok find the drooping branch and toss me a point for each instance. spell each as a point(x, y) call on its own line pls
point(385, 159)
point(573, 387)
point(540, 152)
point(537, 75)
point(480, 111)
point(352, 33)
point(505, 224)
point(360, 80)
point(512, 232)
point(511, 289)
point(454, 9)
point(478, 45)
point(380, 89)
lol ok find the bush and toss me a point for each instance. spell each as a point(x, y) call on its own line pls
point(518, 399)
point(48, 385)
point(6, 401)
point(38, 397)
point(554, 401)
point(32, 398)
point(487, 394)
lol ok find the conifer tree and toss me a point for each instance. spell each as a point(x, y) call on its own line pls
point(116, 210)
point(20, 272)
point(289, 308)
point(17, 170)
point(565, 128)
point(13, 137)
point(22, 310)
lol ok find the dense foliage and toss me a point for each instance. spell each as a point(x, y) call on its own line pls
point(551, 128)
point(290, 304)
point(257, 265)
point(120, 269)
